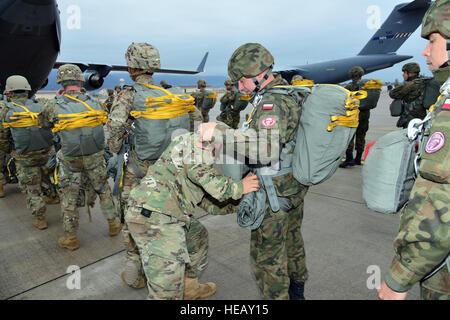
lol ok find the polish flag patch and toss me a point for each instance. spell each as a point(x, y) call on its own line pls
point(268, 122)
point(267, 106)
point(446, 105)
point(435, 143)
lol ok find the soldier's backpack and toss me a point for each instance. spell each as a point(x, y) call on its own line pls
point(328, 122)
point(209, 100)
point(373, 89)
point(388, 173)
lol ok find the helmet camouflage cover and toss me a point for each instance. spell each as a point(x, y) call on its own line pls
point(411, 67)
point(201, 82)
point(437, 19)
point(69, 72)
point(356, 72)
point(228, 82)
point(142, 56)
point(248, 61)
point(15, 83)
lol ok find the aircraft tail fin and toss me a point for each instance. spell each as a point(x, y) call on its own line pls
point(201, 66)
point(398, 27)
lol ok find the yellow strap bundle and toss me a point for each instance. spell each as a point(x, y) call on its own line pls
point(212, 95)
point(244, 97)
point(304, 82)
point(91, 118)
point(22, 119)
point(351, 118)
point(165, 107)
point(373, 84)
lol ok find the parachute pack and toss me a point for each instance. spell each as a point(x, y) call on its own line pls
point(209, 100)
point(373, 89)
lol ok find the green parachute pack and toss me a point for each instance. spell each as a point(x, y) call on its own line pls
point(209, 100)
point(388, 173)
point(373, 89)
point(328, 122)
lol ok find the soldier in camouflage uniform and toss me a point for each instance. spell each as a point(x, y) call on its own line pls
point(423, 240)
point(359, 139)
point(109, 101)
point(81, 154)
point(277, 251)
point(198, 96)
point(32, 146)
point(142, 59)
point(411, 94)
point(172, 244)
point(5, 136)
point(228, 114)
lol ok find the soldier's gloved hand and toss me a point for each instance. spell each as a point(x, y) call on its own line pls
point(206, 130)
point(251, 183)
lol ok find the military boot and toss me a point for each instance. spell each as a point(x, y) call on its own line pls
point(131, 276)
point(358, 158)
point(70, 241)
point(114, 227)
point(54, 200)
point(2, 192)
point(348, 160)
point(40, 223)
point(194, 290)
point(296, 290)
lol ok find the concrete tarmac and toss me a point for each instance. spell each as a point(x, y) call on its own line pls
point(346, 244)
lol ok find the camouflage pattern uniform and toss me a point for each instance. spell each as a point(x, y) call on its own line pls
point(120, 124)
point(423, 241)
point(33, 176)
point(5, 136)
point(228, 115)
point(110, 100)
point(72, 170)
point(198, 96)
point(172, 243)
point(277, 251)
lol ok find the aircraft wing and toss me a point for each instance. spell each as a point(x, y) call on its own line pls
point(95, 73)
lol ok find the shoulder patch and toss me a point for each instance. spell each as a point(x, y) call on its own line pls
point(268, 122)
point(435, 143)
point(446, 105)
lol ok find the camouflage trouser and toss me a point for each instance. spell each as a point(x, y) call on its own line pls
point(205, 114)
point(437, 287)
point(277, 252)
point(131, 180)
point(34, 178)
point(72, 174)
point(360, 134)
point(168, 251)
point(3, 154)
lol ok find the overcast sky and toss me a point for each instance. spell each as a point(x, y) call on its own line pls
point(296, 32)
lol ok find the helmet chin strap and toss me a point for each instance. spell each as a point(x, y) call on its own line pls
point(259, 83)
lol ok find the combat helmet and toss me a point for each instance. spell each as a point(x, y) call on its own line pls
point(356, 72)
point(201, 82)
point(411, 67)
point(69, 72)
point(249, 60)
point(16, 83)
point(436, 19)
point(228, 82)
point(142, 56)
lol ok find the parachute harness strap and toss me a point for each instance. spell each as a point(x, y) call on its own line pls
point(91, 118)
point(23, 119)
point(165, 107)
point(351, 118)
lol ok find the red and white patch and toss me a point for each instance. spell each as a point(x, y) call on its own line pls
point(446, 105)
point(268, 122)
point(267, 106)
point(436, 142)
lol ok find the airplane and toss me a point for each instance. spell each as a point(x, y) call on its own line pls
point(378, 53)
point(30, 34)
